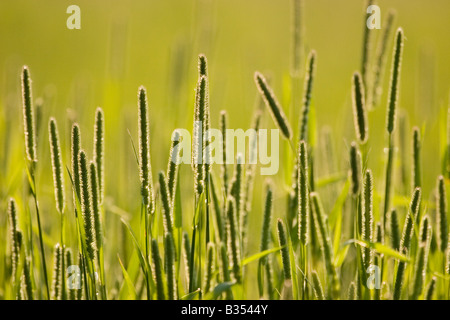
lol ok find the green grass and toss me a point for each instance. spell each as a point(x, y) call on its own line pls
point(334, 210)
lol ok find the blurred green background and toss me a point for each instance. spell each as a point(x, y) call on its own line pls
point(125, 44)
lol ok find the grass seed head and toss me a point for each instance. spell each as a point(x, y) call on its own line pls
point(75, 150)
point(172, 166)
point(308, 86)
point(283, 242)
point(170, 267)
point(265, 232)
point(303, 193)
point(317, 286)
point(416, 171)
point(355, 169)
point(144, 152)
point(166, 205)
point(380, 61)
point(430, 289)
point(57, 272)
point(86, 208)
point(233, 239)
point(395, 230)
point(158, 272)
point(14, 240)
point(58, 177)
point(441, 215)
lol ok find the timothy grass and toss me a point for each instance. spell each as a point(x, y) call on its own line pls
point(273, 105)
point(337, 207)
point(359, 109)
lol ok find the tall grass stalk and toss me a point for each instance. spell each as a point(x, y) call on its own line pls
point(144, 152)
point(273, 105)
point(198, 147)
point(380, 59)
point(378, 259)
point(249, 178)
point(233, 238)
point(57, 272)
point(207, 152)
point(69, 261)
point(157, 270)
point(75, 150)
point(173, 164)
point(447, 168)
point(14, 241)
point(303, 209)
point(30, 148)
point(447, 263)
point(355, 173)
point(225, 270)
point(58, 178)
point(166, 206)
point(367, 217)
point(236, 189)
point(97, 223)
point(210, 258)
point(405, 242)
point(86, 208)
point(359, 108)
point(421, 264)
point(441, 215)
point(265, 230)
point(394, 230)
point(170, 267)
point(355, 169)
point(416, 171)
point(28, 116)
point(283, 242)
point(99, 150)
point(320, 223)
point(187, 258)
point(317, 286)
point(265, 236)
point(223, 128)
point(27, 281)
point(308, 86)
point(220, 223)
point(429, 291)
point(58, 183)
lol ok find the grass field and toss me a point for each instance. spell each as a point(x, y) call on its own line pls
point(92, 205)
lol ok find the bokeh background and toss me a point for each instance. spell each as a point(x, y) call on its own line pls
point(125, 44)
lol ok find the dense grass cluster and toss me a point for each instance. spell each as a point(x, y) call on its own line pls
point(356, 250)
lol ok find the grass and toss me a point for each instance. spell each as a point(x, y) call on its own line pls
point(190, 233)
